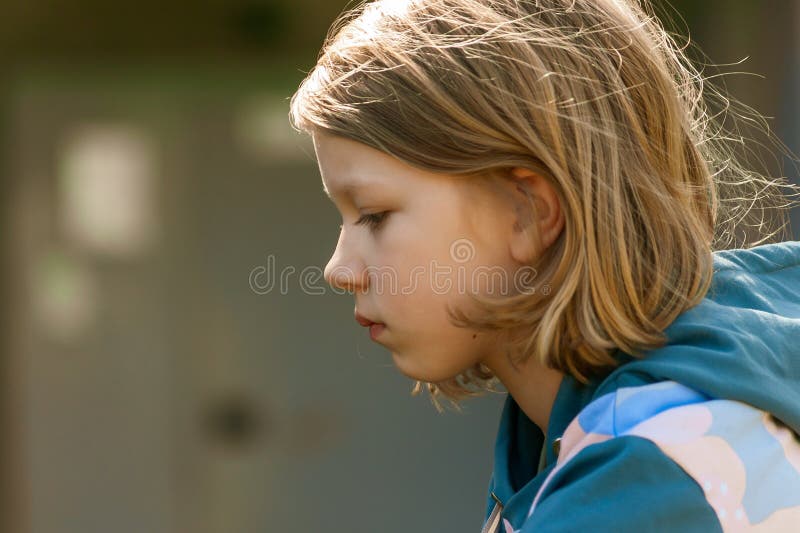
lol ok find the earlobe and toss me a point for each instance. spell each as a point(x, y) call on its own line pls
point(539, 218)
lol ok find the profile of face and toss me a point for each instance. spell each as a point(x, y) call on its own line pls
point(413, 242)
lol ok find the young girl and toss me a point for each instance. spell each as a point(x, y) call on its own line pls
point(535, 192)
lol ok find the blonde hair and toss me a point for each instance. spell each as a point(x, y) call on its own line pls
point(593, 95)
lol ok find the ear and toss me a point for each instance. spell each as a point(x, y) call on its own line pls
point(536, 226)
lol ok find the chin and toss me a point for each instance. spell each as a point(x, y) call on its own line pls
point(427, 375)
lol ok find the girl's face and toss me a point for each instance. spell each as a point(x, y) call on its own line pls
point(411, 242)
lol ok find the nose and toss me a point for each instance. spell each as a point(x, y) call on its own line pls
point(344, 270)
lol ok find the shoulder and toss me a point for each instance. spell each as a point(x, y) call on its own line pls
point(663, 456)
point(623, 484)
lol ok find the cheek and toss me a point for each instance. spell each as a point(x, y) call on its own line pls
point(439, 355)
point(424, 290)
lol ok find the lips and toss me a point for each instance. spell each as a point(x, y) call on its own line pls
point(364, 321)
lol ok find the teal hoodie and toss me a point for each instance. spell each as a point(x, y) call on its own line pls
point(700, 435)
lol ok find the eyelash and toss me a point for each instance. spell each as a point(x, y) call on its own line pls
point(372, 221)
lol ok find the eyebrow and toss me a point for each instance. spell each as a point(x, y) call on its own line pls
point(345, 190)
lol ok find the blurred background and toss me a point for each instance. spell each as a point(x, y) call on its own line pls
point(153, 380)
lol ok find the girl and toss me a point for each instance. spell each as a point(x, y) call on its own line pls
point(535, 192)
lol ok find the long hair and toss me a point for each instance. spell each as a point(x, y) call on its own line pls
point(593, 95)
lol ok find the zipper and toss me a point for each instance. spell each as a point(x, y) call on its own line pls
point(492, 524)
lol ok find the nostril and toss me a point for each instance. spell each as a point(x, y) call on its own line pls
point(342, 277)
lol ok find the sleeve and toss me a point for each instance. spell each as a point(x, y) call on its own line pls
point(625, 484)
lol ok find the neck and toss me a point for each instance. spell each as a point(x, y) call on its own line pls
point(532, 385)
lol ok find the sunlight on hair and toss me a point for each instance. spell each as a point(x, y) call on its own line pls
point(647, 156)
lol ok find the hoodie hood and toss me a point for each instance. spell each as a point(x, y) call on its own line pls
point(741, 342)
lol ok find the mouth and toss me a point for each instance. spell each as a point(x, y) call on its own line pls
point(375, 330)
point(367, 323)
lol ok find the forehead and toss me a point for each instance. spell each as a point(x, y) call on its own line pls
point(348, 167)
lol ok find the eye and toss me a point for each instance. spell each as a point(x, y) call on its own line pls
point(372, 221)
